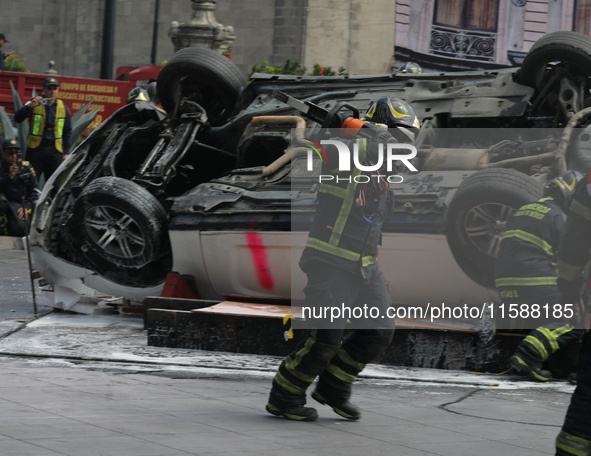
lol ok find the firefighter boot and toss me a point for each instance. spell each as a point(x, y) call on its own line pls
point(527, 366)
point(341, 406)
point(292, 412)
point(289, 405)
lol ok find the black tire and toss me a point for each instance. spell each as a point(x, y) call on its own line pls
point(571, 48)
point(205, 77)
point(477, 215)
point(120, 230)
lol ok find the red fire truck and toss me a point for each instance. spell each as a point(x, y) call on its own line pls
point(109, 95)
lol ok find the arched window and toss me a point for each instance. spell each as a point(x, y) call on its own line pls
point(465, 28)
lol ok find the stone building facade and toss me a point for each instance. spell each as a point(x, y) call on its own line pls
point(355, 34)
point(479, 34)
point(359, 35)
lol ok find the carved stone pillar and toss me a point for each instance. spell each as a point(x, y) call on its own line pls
point(203, 30)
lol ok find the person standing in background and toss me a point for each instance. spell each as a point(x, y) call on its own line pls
point(50, 129)
point(18, 189)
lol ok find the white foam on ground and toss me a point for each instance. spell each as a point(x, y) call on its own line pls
point(121, 339)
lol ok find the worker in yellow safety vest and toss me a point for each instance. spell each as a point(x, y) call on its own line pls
point(50, 129)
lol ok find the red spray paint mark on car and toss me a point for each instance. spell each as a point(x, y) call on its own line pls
point(259, 257)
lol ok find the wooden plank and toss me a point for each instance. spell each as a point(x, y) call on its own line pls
point(161, 302)
point(245, 309)
point(266, 336)
point(407, 323)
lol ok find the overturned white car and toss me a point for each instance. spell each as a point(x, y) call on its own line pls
point(210, 187)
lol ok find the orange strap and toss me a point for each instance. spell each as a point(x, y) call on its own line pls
point(352, 127)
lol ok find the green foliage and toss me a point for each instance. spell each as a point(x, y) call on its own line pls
point(289, 67)
point(23, 127)
point(15, 63)
point(328, 71)
point(294, 67)
point(81, 121)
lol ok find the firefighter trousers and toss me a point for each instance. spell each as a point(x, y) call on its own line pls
point(575, 436)
point(335, 355)
point(545, 340)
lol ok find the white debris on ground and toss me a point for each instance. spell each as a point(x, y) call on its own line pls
point(121, 340)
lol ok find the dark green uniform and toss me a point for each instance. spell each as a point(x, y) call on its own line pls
point(340, 260)
point(525, 273)
point(23, 184)
point(573, 255)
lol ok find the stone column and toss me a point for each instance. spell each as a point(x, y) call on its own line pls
point(203, 30)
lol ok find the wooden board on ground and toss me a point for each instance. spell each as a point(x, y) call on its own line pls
point(247, 309)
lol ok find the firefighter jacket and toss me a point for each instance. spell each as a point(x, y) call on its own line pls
point(529, 246)
point(574, 249)
point(352, 205)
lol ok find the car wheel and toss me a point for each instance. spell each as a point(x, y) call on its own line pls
point(205, 77)
point(477, 216)
point(570, 49)
point(120, 228)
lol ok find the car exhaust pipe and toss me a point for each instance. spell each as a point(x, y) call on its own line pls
point(299, 142)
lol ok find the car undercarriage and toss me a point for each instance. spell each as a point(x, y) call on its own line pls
point(222, 158)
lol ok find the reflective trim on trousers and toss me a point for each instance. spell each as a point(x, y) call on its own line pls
point(572, 444)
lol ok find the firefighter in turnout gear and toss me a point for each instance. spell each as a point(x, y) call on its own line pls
point(573, 256)
point(525, 272)
point(340, 261)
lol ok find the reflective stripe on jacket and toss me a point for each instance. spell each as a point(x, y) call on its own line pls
point(37, 126)
point(528, 249)
point(340, 233)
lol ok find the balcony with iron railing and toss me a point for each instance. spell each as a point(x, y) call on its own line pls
point(463, 44)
